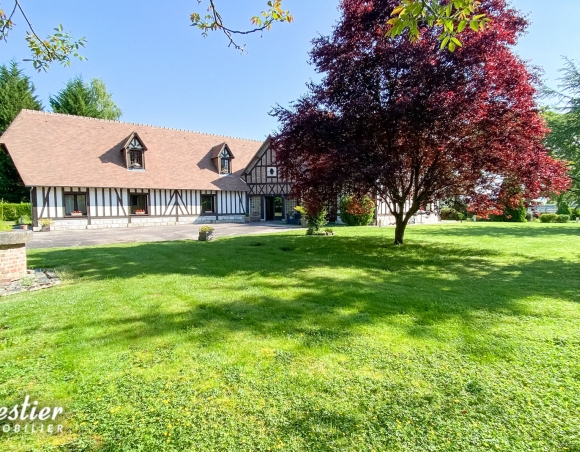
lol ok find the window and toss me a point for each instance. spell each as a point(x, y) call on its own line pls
point(135, 154)
point(207, 204)
point(255, 206)
point(225, 162)
point(225, 169)
point(139, 205)
point(75, 204)
point(135, 159)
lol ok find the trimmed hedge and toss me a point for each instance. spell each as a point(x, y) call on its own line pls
point(13, 212)
point(554, 218)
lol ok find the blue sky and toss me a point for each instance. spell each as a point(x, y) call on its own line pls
point(162, 72)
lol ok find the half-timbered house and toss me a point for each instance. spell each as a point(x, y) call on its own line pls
point(86, 173)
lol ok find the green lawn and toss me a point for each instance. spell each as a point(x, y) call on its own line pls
point(467, 338)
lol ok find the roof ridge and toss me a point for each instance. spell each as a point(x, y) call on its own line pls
point(50, 113)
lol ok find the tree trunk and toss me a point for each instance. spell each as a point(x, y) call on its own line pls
point(400, 226)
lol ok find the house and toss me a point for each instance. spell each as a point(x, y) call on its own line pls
point(86, 173)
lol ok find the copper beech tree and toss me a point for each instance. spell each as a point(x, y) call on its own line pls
point(414, 123)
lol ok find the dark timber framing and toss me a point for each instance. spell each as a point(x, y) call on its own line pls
point(260, 183)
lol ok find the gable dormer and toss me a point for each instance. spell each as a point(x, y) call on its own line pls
point(134, 150)
point(222, 157)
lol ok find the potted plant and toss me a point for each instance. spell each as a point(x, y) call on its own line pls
point(302, 211)
point(76, 213)
point(205, 234)
point(23, 222)
point(247, 217)
point(140, 212)
point(45, 224)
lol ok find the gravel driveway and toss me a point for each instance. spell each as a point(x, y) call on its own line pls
point(84, 237)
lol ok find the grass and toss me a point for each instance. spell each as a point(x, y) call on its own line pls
point(467, 338)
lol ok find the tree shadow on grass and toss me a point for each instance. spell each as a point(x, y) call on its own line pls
point(499, 230)
point(278, 286)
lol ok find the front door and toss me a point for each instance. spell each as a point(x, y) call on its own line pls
point(274, 208)
point(269, 208)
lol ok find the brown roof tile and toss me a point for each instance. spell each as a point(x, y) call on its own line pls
point(51, 149)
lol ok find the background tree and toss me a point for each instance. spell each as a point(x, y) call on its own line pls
point(564, 123)
point(16, 93)
point(414, 123)
point(81, 99)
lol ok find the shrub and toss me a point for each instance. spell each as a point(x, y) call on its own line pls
point(562, 218)
point(206, 229)
point(447, 213)
point(5, 226)
point(563, 209)
point(356, 211)
point(315, 221)
point(575, 213)
point(548, 217)
point(13, 212)
point(529, 217)
point(516, 214)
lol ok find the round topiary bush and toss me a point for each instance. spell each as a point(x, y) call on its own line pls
point(357, 211)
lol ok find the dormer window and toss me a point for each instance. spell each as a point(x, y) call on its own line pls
point(135, 159)
point(135, 153)
point(222, 158)
point(225, 162)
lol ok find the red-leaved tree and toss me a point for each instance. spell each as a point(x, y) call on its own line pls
point(413, 123)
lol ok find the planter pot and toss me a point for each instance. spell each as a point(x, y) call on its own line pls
point(303, 222)
point(24, 227)
point(205, 236)
point(139, 213)
point(247, 219)
point(76, 214)
point(45, 228)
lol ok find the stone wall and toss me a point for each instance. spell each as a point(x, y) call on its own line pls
point(141, 221)
point(13, 255)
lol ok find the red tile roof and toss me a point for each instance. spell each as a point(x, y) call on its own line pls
point(52, 149)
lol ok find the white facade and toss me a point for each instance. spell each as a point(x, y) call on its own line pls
point(110, 207)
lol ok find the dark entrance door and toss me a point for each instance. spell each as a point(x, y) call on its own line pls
point(269, 208)
point(274, 208)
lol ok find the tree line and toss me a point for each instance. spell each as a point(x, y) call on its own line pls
point(17, 92)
